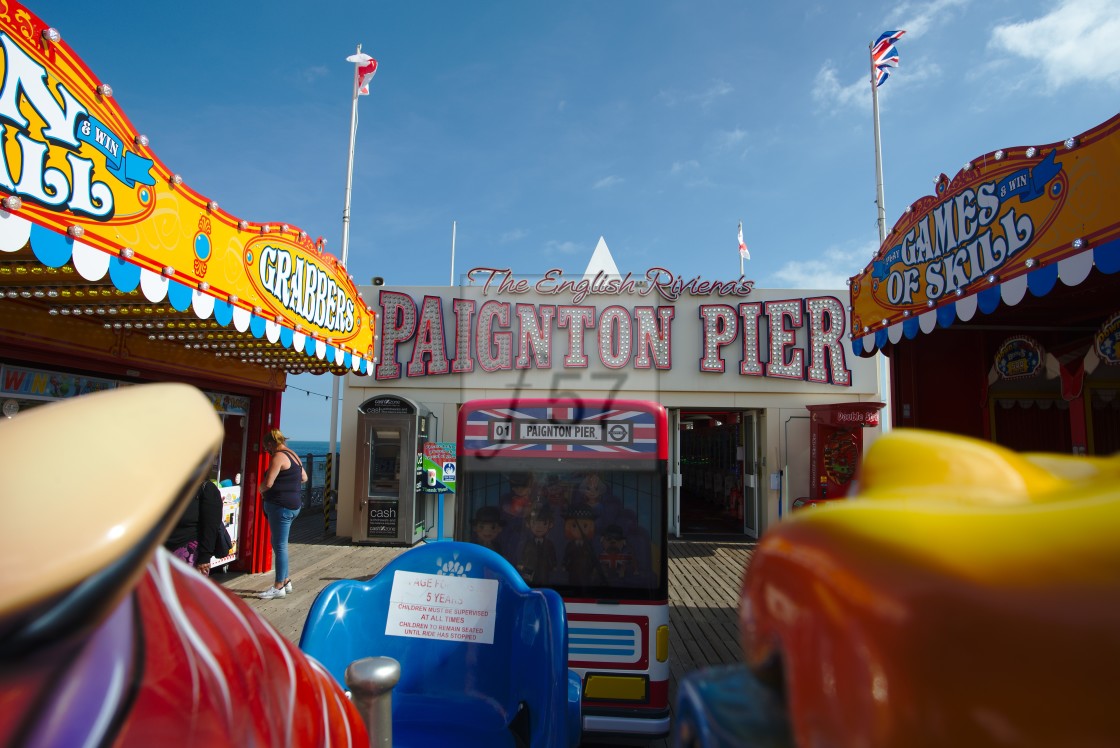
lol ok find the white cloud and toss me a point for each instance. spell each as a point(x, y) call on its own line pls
point(917, 18)
point(680, 166)
point(718, 89)
point(727, 139)
point(715, 91)
point(565, 248)
point(513, 235)
point(314, 73)
point(830, 93)
point(1077, 41)
point(831, 270)
point(605, 182)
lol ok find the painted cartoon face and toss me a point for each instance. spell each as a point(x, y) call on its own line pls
point(556, 493)
point(613, 544)
point(487, 532)
point(579, 529)
point(539, 527)
point(593, 488)
point(520, 499)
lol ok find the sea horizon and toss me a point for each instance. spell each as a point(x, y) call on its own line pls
point(313, 455)
point(310, 446)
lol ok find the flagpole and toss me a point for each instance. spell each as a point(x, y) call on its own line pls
point(742, 249)
point(884, 362)
point(345, 247)
point(452, 283)
point(879, 200)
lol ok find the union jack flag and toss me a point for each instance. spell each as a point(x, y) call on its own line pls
point(621, 431)
point(884, 55)
point(889, 58)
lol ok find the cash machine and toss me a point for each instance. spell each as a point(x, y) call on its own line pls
point(392, 431)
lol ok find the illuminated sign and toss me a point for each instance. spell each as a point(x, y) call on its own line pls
point(81, 170)
point(656, 281)
point(969, 236)
point(302, 286)
point(1005, 224)
point(1019, 357)
point(798, 339)
point(1106, 342)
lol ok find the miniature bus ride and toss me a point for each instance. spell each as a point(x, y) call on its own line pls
point(573, 493)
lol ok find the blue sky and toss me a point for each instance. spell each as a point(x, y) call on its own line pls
point(539, 127)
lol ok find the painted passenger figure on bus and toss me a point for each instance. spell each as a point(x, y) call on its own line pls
point(557, 493)
point(538, 553)
point(486, 528)
point(581, 557)
point(515, 506)
point(615, 559)
point(595, 493)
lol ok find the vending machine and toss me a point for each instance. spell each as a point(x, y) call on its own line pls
point(392, 432)
point(836, 446)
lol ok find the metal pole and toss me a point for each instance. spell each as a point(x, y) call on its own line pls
point(328, 483)
point(879, 200)
point(327, 490)
point(884, 362)
point(452, 283)
point(371, 681)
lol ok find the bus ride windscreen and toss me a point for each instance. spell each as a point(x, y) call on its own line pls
point(571, 493)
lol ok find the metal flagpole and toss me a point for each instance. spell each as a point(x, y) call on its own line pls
point(741, 245)
point(878, 153)
point(884, 362)
point(452, 283)
point(345, 257)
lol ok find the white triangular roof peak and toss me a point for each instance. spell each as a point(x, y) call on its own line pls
point(601, 262)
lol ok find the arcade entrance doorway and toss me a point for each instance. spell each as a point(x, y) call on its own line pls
point(719, 458)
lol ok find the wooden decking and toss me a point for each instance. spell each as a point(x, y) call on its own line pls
point(704, 580)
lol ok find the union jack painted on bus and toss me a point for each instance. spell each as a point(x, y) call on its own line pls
point(543, 428)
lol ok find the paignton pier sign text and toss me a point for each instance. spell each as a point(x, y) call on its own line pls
point(793, 338)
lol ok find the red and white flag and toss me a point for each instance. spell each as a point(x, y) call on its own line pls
point(367, 66)
point(743, 247)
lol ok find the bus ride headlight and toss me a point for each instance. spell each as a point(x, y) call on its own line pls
point(662, 643)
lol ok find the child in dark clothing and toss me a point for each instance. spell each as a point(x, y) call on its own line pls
point(198, 535)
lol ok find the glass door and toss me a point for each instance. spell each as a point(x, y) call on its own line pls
point(752, 478)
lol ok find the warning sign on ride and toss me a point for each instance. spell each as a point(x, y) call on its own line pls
point(430, 606)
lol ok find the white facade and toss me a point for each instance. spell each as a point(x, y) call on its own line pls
point(692, 345)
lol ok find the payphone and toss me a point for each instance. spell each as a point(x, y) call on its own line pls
point(392, 431)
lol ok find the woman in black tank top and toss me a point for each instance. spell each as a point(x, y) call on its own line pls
point(281, 491)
